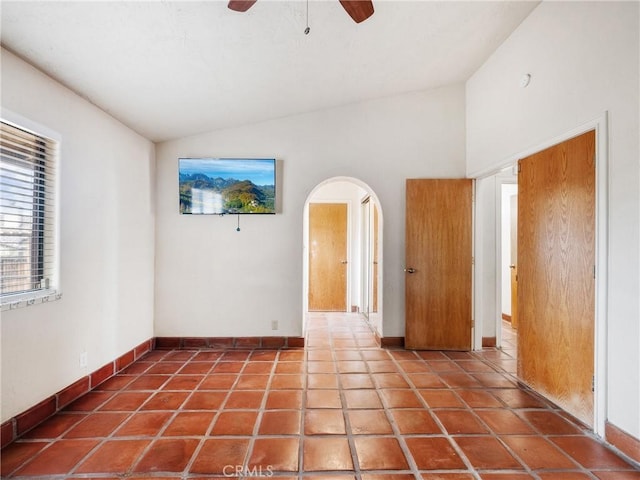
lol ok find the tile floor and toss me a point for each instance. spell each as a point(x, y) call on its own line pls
point(341, 408)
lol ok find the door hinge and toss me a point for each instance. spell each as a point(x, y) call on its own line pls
point(594, 271)
point(519, 166)
point(593, 383)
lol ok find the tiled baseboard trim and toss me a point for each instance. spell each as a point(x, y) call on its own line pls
point(20, 424)
point(390, 342)
point(163, 343)
point(626, 443)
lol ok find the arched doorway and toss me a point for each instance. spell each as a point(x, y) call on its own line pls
point(361, 260)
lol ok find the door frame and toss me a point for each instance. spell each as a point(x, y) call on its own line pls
point(600, 125)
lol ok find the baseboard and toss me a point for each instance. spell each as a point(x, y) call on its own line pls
point(390, 342)
point(171, 343)
point(623, 441)
point(489, 341)
point(20, 424)
point(506, 317)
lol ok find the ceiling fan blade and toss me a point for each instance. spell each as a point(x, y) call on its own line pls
point(241, 5)
point(359, 10)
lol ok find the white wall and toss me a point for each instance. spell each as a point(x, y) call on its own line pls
point(107, 227)
point(214, 281)
point(583, 58)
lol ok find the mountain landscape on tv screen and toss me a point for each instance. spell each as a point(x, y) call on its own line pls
point(201, 194)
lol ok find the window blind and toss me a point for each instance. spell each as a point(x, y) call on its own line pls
point(27, 211)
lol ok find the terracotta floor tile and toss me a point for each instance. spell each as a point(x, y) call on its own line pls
point(196, 368)
point(441, 399)
point(205, 401)
point(218, 381)
point(228, 367)
point(415, 422)
point(166, 368)
point(54, 426)
point(114, 457)
point(235, 356)
point(320, 355)
point(126, 401)
point(326, 454)
point(426, 380)
point(475, 366)
point(267, 355)
point(460, 421)
point(375, 355)
point(167, 455)
point(404, 354)
point(262, 368)
point(280, 422)
point(59, 458)
point(115, 383)
point(348, 355)
point(16, 454)
point(165, 401)
point(352, 366)
point(143, 424)
point(322, 381)
point(479, 399)
point(277, 454)
point(183, 382)
point(89, 402)
point(506, 476)
point(414, 366)
point(619, 475)
point(459, 380)
point(443, 365)
point(235, 423)
point(401, 398)
point(147, 382)
point(589, 453)
point(382, 366)
point(284, 399)
point(252, 382)
point(323, 399)
point(369, 453)
point(97, 425)
point(287, 382)
point(319, 422)
point(515, 398)
point(487, 453)
point(362, 399)
point(504, 422)
point(189, 424)
point(178, 356)
point(571, 476)
point(448, 476)
point(244, 399)
point(538, 453)
point(356, 380)
point(548, 423)
point(289, 367)
point(291, 356)
point(387, 476)
point(434, 453)
point(390, 380)
point(369, 422)
point(217, 455)
point(321, 367)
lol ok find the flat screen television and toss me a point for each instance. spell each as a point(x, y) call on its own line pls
point(219, 186)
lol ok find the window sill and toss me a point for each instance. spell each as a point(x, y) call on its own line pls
point(13, 302)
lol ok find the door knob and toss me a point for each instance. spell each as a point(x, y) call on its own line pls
point(512, 266)
point(410, 270)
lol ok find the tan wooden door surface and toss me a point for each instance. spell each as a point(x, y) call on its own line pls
point(556, 284)
point(328, 257)
point(438, 264)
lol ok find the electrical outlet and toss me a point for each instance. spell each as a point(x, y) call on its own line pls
point(84, 359)
point(274, 324)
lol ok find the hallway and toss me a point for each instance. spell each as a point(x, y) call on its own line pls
point(340, 408)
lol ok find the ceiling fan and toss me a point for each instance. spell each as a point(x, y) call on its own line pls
point(359, 10)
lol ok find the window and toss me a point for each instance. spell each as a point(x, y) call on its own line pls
point(27, 215)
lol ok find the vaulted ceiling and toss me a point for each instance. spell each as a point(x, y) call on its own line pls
point(175, 68)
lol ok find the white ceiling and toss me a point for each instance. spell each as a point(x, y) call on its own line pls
point(175, 68)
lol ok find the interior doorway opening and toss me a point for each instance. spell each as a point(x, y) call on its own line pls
point(361, 260)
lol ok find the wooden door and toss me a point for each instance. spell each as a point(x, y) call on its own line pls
point(438, 264)
point(328, 257)
point(556, 284)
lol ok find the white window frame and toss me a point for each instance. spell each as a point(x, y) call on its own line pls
point(53, 292)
